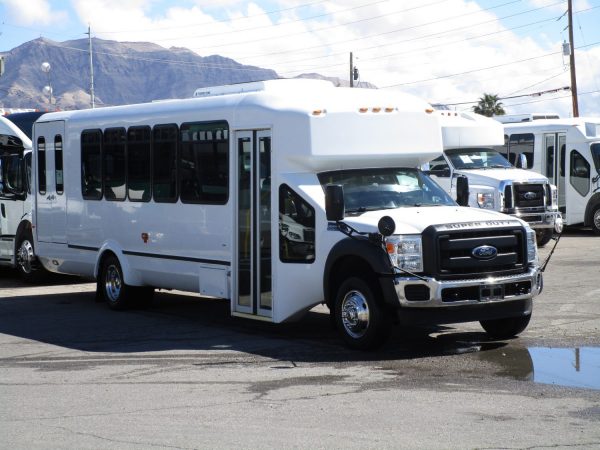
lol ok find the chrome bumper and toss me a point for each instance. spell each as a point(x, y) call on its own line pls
point(539, 220)
point(495, 287)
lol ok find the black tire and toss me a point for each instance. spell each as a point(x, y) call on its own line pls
point(359, 318)
point(142, 296)
point(596, 220)
point(543, 236)
point(505, 328)
point(111, 285)
point(26, 261)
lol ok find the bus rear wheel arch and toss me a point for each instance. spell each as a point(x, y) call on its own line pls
point(111, 286)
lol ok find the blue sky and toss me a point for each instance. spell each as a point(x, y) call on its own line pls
point(445, 51)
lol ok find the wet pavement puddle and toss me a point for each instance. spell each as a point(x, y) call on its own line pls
point(570, 367)
point(573, 367)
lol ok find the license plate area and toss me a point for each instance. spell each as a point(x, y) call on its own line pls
point(489, 292)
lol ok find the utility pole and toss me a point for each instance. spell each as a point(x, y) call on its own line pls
point(351, 71)
point(572, 62)
point(89, 33)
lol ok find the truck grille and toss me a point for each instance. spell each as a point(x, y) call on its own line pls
point(525, 196)
point(449, 254)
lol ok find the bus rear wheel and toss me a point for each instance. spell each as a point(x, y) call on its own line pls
point(361, 321)
point(111, 285)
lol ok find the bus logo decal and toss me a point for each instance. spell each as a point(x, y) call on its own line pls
point(485, 252)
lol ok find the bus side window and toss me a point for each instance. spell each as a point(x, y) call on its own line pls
point(503, 149)
point(580, 173)
point(521, 144)
point(58, 164)
point(41, 158)
point(296, 227)
point(91, 164)
point(139, 169)
point(164, 160)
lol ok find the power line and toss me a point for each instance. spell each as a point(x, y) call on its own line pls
point(533, 94)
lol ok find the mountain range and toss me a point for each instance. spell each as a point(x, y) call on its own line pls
point(124, 73)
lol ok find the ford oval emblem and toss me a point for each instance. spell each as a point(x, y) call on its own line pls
point(485, 252)
point(530, 195)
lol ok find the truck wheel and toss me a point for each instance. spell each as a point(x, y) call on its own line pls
point(111, 285)
point(543, 236)
point(505, 328)
point(26, 260)
point(361, 321)
point(596, 221)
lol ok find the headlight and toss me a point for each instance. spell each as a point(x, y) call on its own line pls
point(532, 254)
point(485, 200)
point(406, 252)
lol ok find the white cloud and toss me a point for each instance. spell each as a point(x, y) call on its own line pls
point(33, 12)
point(413, 46)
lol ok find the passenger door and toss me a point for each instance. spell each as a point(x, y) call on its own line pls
point(51, 214)
point(252, 265)
point(554, 163)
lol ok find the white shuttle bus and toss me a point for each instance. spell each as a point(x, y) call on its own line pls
point(279, 196)
point(16, 239)
point(567, 151)
point(494, 183)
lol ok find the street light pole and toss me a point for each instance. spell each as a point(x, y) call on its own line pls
point(46, 67)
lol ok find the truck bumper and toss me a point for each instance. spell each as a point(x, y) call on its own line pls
point(537, 221)
point(449, 301)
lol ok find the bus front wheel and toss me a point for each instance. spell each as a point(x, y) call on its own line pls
point(596, 221)
point(26, 259)
point(361, 321)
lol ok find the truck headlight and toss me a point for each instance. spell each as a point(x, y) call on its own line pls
point(532, 254)
point(406, 252)
point(485, 200)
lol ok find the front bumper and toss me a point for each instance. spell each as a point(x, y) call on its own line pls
point(537, 220)
point(413, 292)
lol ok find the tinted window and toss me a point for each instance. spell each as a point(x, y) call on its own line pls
point(296, 227)
point(41, 160)
point(580, 173)
point(58, 164)
point(91, 164)
point(439, 167)
point(596, 156)
point(113, 156)
point(164, 162)
point(204, 163)
point(138, 163)
point(521, 144)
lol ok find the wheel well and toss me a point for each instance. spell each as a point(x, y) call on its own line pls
point(105, 254)
point(593, 203)
point(346, 267)
point(25, 225)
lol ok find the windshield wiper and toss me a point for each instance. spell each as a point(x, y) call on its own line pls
point(362, 209)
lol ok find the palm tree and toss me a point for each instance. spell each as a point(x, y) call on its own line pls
point(489, 106)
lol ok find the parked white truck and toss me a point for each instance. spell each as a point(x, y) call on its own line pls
point(493, 182)
point(278, 196)
point(16, 241)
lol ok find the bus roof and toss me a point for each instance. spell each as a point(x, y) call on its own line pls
point(587, 127)
point(316, 125)
point(467, 129)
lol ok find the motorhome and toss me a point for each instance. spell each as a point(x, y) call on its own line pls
point(567, 151)
point(16, 239)
point(278, 196)
point(494, 183)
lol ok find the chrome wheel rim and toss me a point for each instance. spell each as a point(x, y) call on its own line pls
point(112, 283)
point(355, 314)
point(25, 256)
point(597, 219)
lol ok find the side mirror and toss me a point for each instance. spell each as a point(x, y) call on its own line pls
point(334, 202)
point(386, 226)
point(522, 161)
point(462, 190)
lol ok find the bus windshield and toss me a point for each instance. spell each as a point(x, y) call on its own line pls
point(477, 158)
point(389, 188)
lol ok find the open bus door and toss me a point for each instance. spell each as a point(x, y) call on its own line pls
point(252, 280)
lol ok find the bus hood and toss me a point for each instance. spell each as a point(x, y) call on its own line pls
point(415, 219)
point(495, 176)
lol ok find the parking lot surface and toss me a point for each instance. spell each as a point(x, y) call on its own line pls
point(184, 374)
